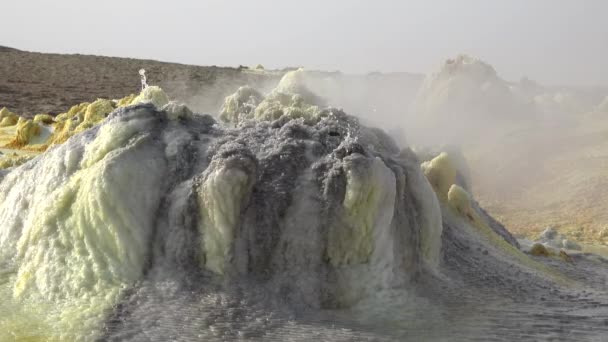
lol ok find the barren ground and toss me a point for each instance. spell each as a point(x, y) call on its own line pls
point(33, 83)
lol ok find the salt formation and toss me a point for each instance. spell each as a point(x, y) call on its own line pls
point(552, 101)
point(553, 104)
point(97, 211)
point(464, 100)
point(464, 86)
point(551, 238)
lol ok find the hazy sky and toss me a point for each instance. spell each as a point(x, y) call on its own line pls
point(551, 41)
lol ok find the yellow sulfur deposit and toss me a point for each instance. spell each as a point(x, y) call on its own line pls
point(63, 131)
point(459, 200)
point(74, 111)
point(7, 118)
point(4, 112)
point(430, 218)
point(177, 111)
point(368, 209)
point(78, 119)
point(241, 103)
point(289, 99)
point(441, 173)
point(293, 82)
point(152, 94)
point(26, 131)
point(98, 111)
point(9, 121)
point(66, 123)
point(44, 119)
point(67, 261)
point(221, 198)
point(12, 160)
point(279, 104)
point(125, 101)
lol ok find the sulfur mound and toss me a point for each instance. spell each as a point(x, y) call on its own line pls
point(157, 223)
point(26, 131)
point(223, 193)
point(4, 112)
point(176, 111)
point(279, 104)
point(44, 119)
point(290, 99)
point(9, 121)
point(82, 240)
point(323, 209)
point(460, 200)
point(152, 94)
point(441, 173)
point(240, 105)
point(465, 99)
point(367, 208)
point(98, 111)
point(7, 118)
point(463, 84)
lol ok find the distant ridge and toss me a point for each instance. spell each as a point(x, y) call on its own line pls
point(8, 49)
